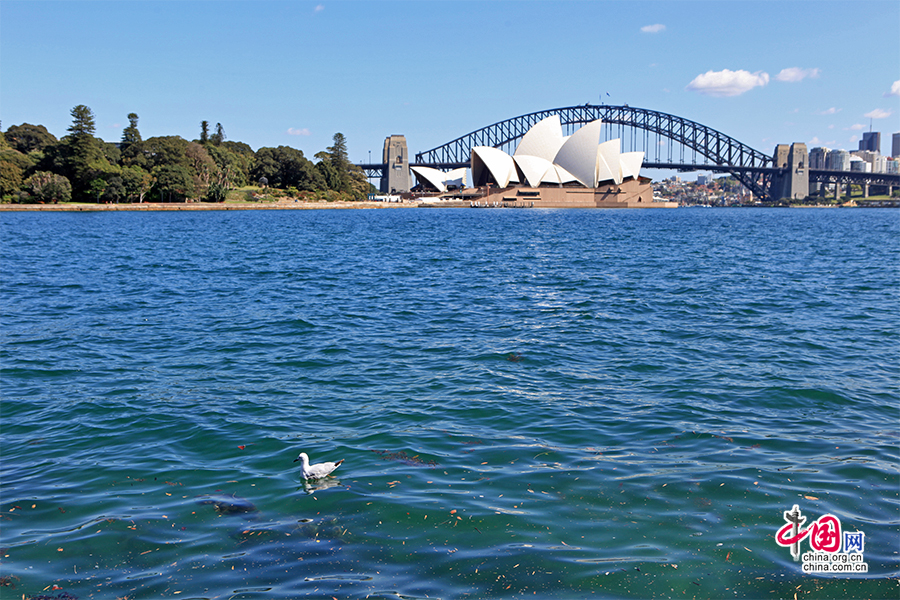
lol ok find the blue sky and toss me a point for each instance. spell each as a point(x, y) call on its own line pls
point(294, 73)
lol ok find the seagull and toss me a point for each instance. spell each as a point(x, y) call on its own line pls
point(318, 471)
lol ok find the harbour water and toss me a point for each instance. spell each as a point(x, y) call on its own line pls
point(536, 403)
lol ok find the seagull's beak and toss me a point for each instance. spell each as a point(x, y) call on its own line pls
point(296, 459)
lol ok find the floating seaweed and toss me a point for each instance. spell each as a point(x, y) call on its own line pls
point(231, 505)
point(514, 357)
point(405, 458)
point(60, 596)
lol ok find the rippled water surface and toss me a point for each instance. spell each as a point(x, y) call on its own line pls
point(553, 404)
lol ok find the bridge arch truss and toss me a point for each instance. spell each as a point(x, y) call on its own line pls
point(668, 141)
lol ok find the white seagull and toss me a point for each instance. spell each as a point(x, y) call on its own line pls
point(318, 471)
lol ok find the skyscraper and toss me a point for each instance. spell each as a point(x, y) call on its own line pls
point(871, 140)
point(895, 145)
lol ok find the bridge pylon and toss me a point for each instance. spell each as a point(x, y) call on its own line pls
point(792, 179)
point(395, 156)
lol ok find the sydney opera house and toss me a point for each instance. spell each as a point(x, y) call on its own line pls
point(549, 169)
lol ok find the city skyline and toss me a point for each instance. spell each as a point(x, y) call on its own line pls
point(294, 73)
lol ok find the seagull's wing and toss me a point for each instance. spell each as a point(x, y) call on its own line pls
point(322, 469)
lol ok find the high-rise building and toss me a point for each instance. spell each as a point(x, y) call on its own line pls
point(895, 145)
point(818, 158)
point(839, 160)
point(871, 141)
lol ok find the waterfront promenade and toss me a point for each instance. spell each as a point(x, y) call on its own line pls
point(189, 206)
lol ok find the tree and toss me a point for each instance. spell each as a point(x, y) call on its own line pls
point(158, 151)
point(219, 136)
point(338, 152)
point(330, 175)
point(233, 167)
point(131, 135)
point(10, 178)
point(215, 193)
point(49, 188)
point(203, 166)
point(27, 138)
point(80, 156)
point(114, 191)
point(82, 121)
point(97, 187)
point(137, 183)
point(286, 167)
point(173, 183)
point(334, 164)
point(204, 132)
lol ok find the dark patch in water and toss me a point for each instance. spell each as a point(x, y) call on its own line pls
point(230, 505)
point(405, 458)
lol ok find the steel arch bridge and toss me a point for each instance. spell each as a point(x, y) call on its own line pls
point(668, 142)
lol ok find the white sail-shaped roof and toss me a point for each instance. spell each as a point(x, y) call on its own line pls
point(546, 156)
point(563, 176)
point(433, 177)
point(456, 177)
point(532, 168)
point(631, 164)
point(497, 162)
point(440, 180)
point(543, 140)
point(608, 168)
point(578, 154)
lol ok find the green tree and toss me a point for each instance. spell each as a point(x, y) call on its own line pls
point(204, 132)
point(233, 167)
point(238, 147)
point(131, 135)
point(174, 183)
point(157, 151)
point(219, 136)
point(97, 187)
point(82, 121)
point(203, 166)
point(29, 138)
point(80, 156)
point(137, 182)
point(329, 173)
point(215, 193)
point(338, 152)
point(114, 190)
point(10, 178)
point(335, 166)
point(286, 167)
point(47, 188)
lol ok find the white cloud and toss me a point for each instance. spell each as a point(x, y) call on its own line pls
point(895, 89)
point(817, 142)
point(829, 111)
point(653, 28)
point(878, 114)
point(856, 127)
point(304, 131)
point(794, 74)
point(727, 83)
point(319, 8)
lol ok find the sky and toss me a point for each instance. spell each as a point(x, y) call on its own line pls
point(295, 73)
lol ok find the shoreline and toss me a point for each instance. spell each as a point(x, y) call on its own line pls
point(189, 206)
